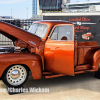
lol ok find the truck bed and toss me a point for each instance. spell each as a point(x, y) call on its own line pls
point(84, 52)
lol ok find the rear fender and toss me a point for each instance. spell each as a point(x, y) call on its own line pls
point(33, 61)
point(96, 60)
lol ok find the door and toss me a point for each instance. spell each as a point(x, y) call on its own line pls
point(59, 50)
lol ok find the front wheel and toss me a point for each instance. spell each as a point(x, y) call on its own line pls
point(15, 75)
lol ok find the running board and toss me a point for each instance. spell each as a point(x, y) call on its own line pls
point(51, 75)
point(83, 67)
point(78, 70)
point(59, 75)
point(85, 71)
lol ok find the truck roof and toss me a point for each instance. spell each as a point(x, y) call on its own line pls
point(53, 22)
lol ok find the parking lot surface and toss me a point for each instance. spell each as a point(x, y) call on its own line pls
point(81, 87)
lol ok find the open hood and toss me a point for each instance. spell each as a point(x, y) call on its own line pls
point(14, 32)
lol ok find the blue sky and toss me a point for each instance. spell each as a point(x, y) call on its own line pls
point(20, 8)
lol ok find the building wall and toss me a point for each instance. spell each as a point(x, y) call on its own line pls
point(47, 5)
point(65, 1)
point(80, 7)
point(68, 1)
point(50, 5)
point(34, 7)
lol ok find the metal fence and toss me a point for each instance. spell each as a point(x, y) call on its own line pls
point(25, 24)
point(5, 41)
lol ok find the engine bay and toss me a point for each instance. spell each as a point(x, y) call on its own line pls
point(13, 49)
point(19, 46)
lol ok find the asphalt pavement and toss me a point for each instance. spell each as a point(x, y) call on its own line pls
point(81, 87)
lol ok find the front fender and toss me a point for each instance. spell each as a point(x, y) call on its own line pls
point(96, 60)
point(33, 61)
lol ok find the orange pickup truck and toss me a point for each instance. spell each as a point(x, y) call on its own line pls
point(48, 49)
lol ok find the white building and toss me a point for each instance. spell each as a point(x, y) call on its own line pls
point(94, 8)
point(80, 6)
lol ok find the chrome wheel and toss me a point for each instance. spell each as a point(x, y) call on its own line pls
point(16, 75)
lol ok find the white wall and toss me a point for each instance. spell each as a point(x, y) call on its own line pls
point(94, 8)
point(39, 12)
point(71, 14)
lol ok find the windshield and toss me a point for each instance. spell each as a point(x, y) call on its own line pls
point(38, 29)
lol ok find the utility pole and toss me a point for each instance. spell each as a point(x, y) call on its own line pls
point(27, 12)
point(11, 12)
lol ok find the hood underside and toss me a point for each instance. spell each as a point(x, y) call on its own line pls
point(13, 33)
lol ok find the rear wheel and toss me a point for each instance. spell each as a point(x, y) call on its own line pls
point(97, 74)
point(15, 76)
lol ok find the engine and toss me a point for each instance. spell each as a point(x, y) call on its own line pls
point(7, 49)
point(13, 49)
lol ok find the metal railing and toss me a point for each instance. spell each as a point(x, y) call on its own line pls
point(5, 41)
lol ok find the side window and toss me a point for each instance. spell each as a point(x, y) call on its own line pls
point(54, 34)
point(65, 33)
point(62, 33)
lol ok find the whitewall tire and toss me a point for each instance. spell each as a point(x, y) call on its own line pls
point(15, 75)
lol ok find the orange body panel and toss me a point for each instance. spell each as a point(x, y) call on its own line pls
point(86, 51)
point(17, 33)
point(76, 54)
point(31, 60)
point(96, 60)
point(59, 58)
